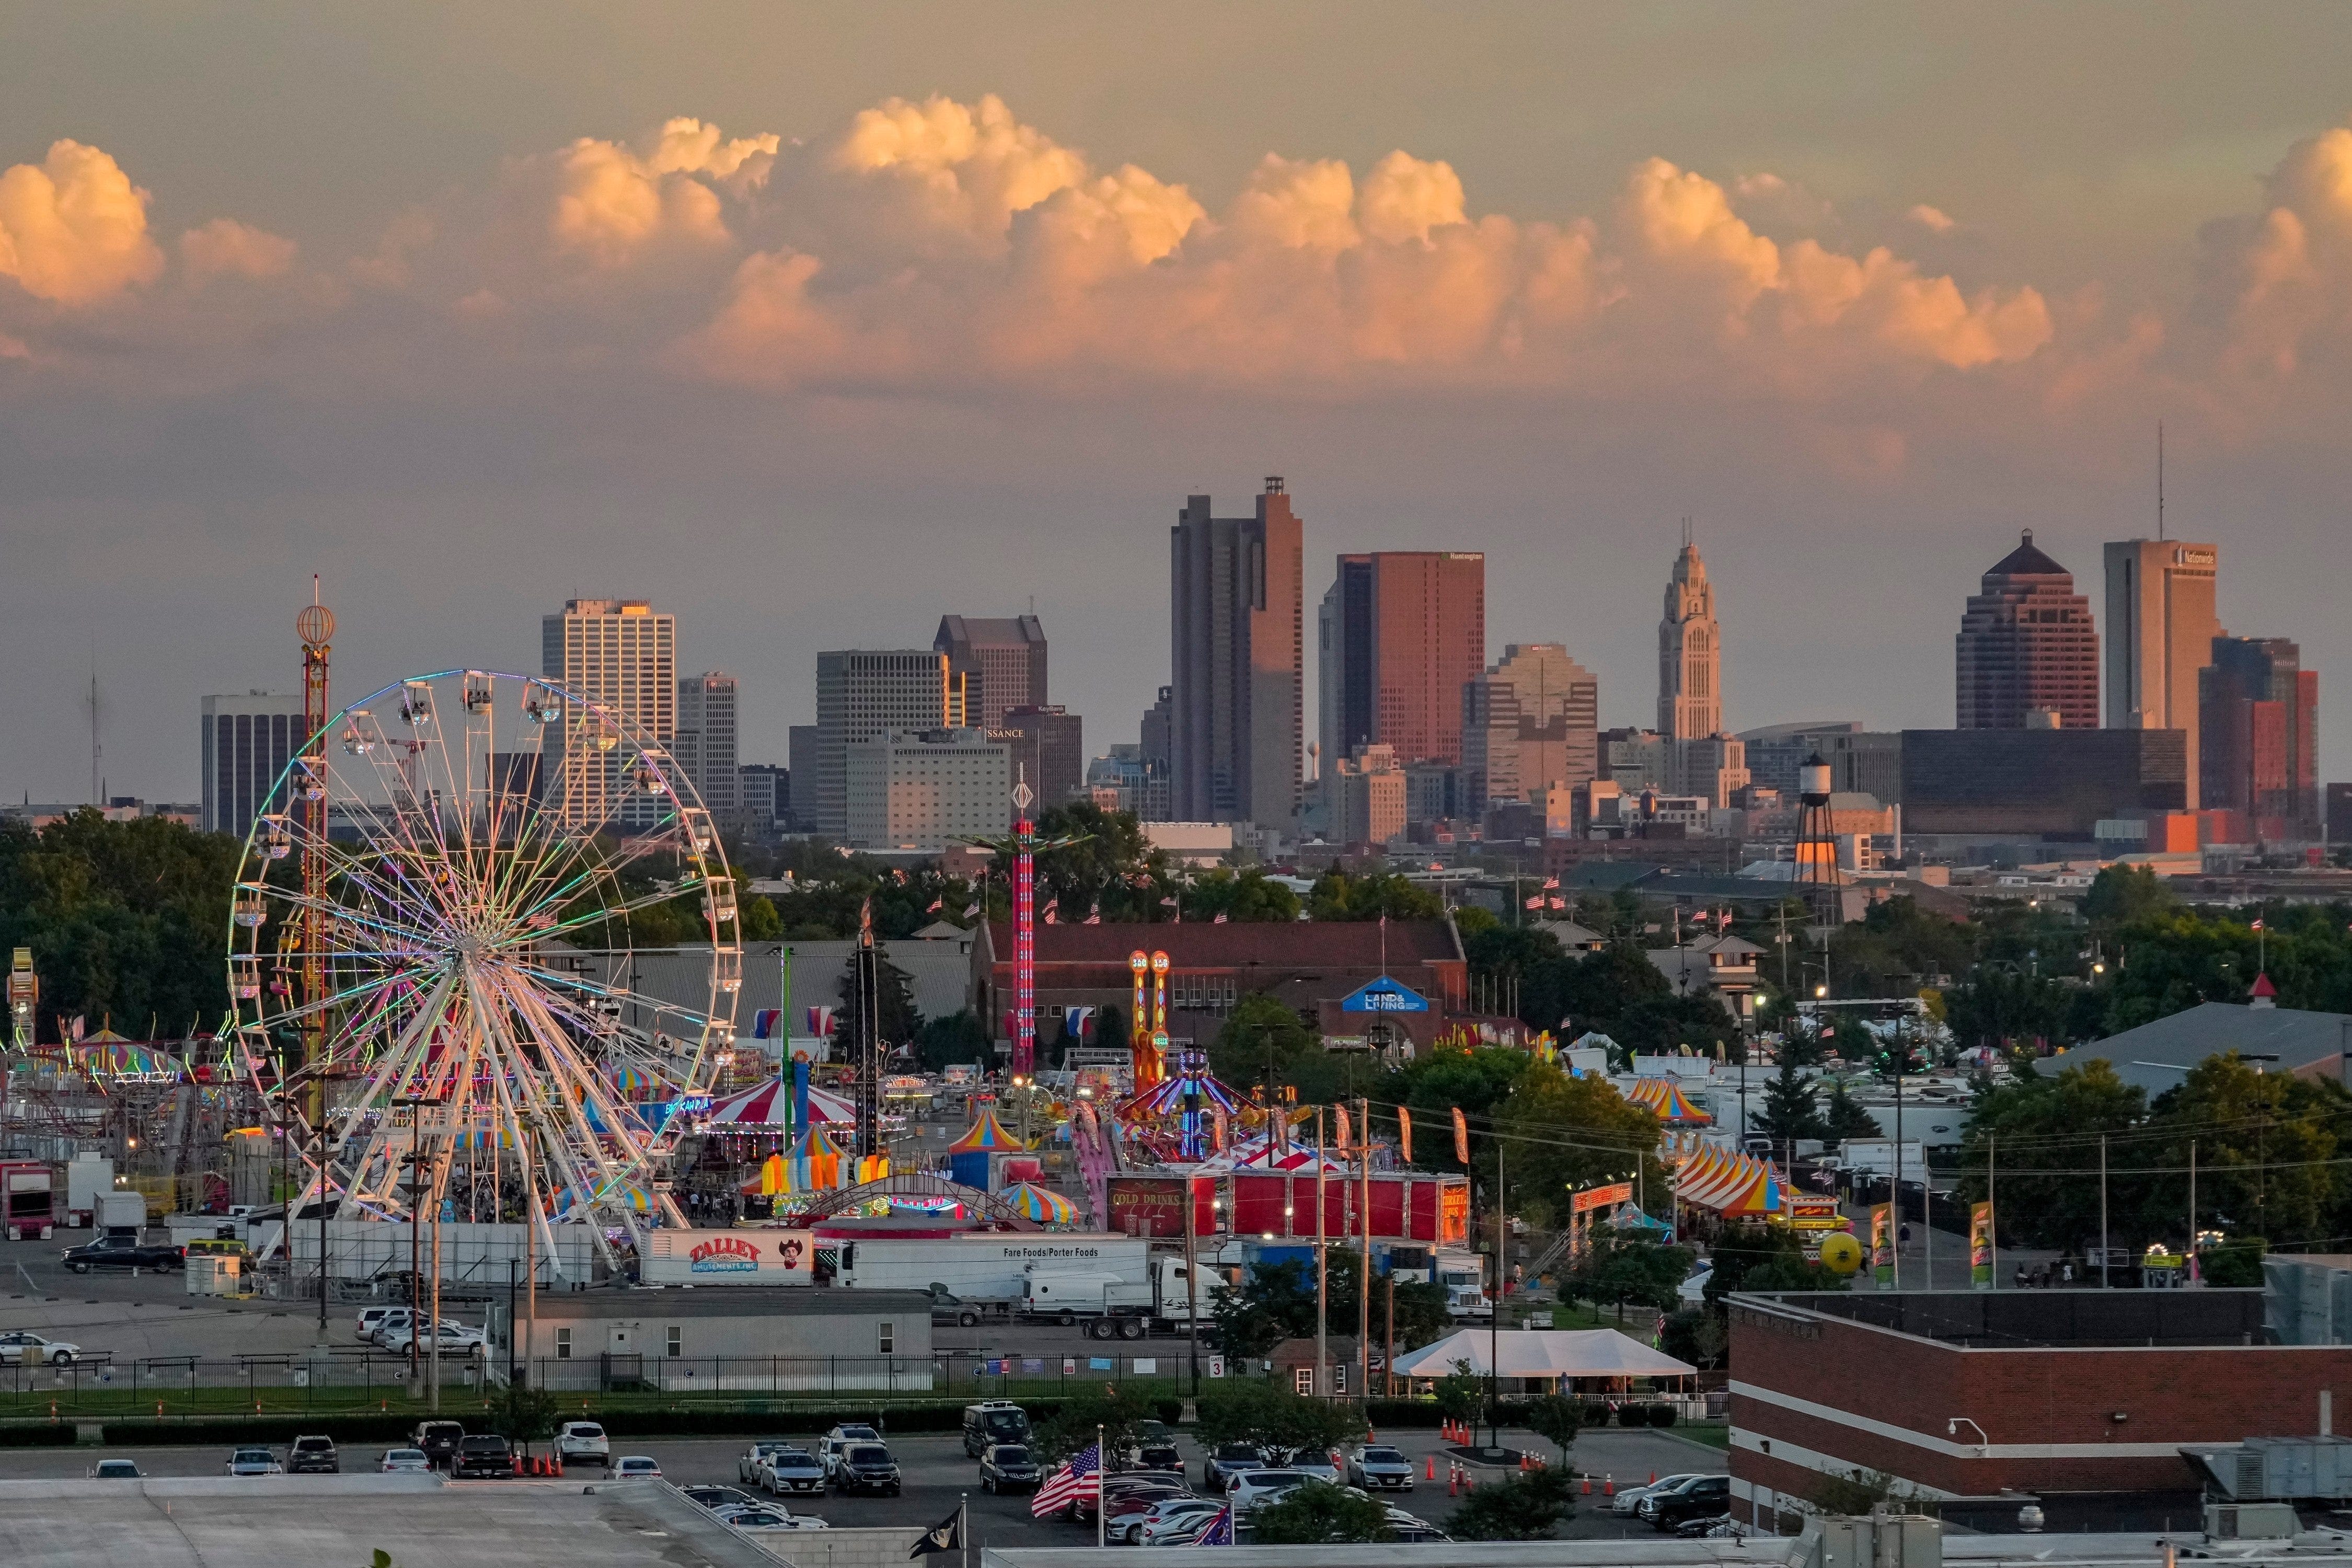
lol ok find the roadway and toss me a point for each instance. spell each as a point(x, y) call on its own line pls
point(938, 1477)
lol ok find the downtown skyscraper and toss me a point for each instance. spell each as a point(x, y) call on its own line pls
point(2026, 648)
point(2159, 637)
point(1237, 653)
point(1690, 654)
point(621, 655)
point(1399, 636)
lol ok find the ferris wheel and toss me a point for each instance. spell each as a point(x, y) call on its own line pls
point(431, 955)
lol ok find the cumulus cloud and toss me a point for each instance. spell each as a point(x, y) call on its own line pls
point(606, 204)
point(2288, 275)
point(1933, 219)
point(227, 248)
point(73, 229)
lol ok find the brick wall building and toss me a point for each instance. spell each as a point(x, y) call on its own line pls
point(1963, 1395)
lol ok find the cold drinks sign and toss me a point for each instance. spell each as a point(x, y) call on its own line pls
point(728, 1258)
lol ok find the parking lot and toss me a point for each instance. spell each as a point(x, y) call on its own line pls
point(938, 1477)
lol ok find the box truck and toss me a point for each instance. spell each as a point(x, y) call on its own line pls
point(28, 1202)
point(984, 1266)
point(1113, 1307)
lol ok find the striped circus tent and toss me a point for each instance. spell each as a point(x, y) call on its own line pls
point(1663, 1098)
point(631, 1081)
point(987, 1135)
point(768, 1104)
point(1043, 1204)
point(108, 1055)
point(1726, 1182)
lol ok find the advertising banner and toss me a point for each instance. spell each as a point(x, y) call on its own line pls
point(1607, 1197)
point(728, 1258)
point(1881, 1244)
point(1980, 1245)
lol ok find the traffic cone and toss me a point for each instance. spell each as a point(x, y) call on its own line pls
point(1453, 1479)
point(1588, 1486)
point(1654, 1478)
point(1608, 1484)
point(1431, 1474)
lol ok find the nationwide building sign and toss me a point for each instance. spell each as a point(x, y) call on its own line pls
point(1385, 995)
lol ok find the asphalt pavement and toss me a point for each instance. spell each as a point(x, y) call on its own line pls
point(939, 1478)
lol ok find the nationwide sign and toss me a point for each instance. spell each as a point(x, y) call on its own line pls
point(1385, 995)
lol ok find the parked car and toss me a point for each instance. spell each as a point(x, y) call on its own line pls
point(1316, 1466)
point(116, 1470)
point(1252, 1488)
point(456, 1340)
point(837, 1442)
point(313, 1456)
point(255, 1462)
point(867, 1467)
point(439, 1439)
point(714, 1498)
point(1230, 1459)
point(121, 1252)
point(766, 1518)
point(370, 1319)
point(1709, 1496)
point(583, 1441)
point(990, 1422)
point(749, 1462)
point(483, 1455)
point(1155, 1457)
point(1405, 1527)
point(1376, 1468)
point(791, 1468)
point(404, 1462)
point(1008, 1468)
point(1174, 1522)
point(635, 1468)
point(1628, 1499)
point(31, 1350)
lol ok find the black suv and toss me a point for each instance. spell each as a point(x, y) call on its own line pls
point(1709, 1496)
point(312, 1456)
point(1007, 1468)
point(439, 1439)
point(121, 1252)
point(483, 1455)
point(867, 1467)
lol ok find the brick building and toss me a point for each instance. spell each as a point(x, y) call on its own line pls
point(2081, 1398)
point(2027, 645)
point(1305, 964)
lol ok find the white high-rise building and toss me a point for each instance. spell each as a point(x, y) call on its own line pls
point(622, 656)
point(862, 694)
point(706, 744)
point(246, 742)
point(927, 789)
point(1690, 654)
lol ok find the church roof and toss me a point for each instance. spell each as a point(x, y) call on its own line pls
point(2027, 560)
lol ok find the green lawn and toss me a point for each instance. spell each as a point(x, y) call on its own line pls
point(1713, 1434)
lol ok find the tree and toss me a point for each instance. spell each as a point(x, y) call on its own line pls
point(2054, 1123)
point(1107, 1406)
point(1262, 1038)
point(1789, 1116)
point(1557, 1417)
point(524, 1414)
point(1844, 1118)
point(1251, 895)
point(2128, 895)
point(1112, 864)
point(1525, 1508)
point(1460, 1394)
point(1764, 1257)
point(1336, 895)
point(1421, 1315)
point(1319, 1513)
point(1568, 1132)
point(943, 1042)
point(1274, 1302)
point(1269, 1414)
point(1638, 1272)
point(1695, 1334)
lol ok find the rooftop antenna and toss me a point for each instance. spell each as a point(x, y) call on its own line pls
point(95, 798)
point(2159, 480)
point(1687, 532)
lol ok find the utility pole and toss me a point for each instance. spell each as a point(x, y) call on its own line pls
point(1495, 1323)
point(1322, 1273)
point(1364, 1235)
point(2103, 1211)
point(1192, 1280)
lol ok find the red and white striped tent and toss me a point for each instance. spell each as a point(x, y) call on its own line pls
point(769, 1105)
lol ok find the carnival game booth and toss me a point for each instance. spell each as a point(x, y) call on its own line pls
point(1272, 1198)
point(989, 1156)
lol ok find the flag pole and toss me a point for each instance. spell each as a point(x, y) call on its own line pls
point(963, 1525)
point(1100, 1460)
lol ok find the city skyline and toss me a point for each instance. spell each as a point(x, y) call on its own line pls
point(606, 330)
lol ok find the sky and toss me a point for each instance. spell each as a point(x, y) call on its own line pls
point(812, 324)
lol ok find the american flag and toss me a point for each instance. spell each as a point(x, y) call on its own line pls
point(1219, 1532)
point(1075, 1482)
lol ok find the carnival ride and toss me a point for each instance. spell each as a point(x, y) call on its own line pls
point(429, 956)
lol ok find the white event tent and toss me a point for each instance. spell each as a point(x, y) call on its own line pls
point(1541, 1355)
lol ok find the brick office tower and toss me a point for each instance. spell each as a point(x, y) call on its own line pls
point(1237, 697)
point(2259, 736)
point(2027, 646)
point(1402, 634)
